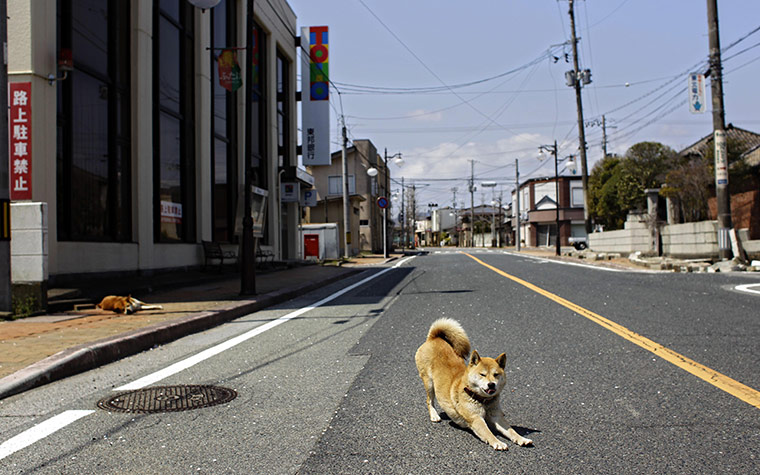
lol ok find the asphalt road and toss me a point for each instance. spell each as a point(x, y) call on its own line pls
point(334, 389)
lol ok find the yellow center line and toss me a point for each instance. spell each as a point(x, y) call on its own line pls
point(720, 381)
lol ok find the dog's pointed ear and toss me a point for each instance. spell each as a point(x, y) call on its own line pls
point(502, 360)
point(474, 358)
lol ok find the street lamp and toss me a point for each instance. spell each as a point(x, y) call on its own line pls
point(398, 161)
point(553, 150)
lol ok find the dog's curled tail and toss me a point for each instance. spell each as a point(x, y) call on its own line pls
point(451, 332)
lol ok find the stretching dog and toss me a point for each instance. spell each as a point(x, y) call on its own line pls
point(125, 305)
point(469, 394)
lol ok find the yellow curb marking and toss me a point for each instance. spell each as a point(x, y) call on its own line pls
point(720, 381)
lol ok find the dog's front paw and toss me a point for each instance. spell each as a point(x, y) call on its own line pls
point(434, 417)
point(525, 442)
point(499, 445)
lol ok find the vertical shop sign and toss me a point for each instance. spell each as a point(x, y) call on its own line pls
point(20, 140)
point(315, 96)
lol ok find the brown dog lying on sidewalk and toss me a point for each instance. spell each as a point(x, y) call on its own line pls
point(468, 394)
point(125, 305)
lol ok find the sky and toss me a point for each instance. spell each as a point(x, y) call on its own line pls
point(446, 83)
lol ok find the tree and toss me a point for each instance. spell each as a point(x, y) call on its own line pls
point(602, 193)
point(617, 186)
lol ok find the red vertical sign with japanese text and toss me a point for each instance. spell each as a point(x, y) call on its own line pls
point(20, 139)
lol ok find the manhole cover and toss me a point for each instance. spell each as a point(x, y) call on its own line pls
point(168, 399)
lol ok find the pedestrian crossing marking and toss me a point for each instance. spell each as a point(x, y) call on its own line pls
point(731, 386)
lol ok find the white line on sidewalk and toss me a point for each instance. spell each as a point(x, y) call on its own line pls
point(40, 431)
point(215, 350)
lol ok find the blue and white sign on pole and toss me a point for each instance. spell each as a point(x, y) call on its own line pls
point(697, 93)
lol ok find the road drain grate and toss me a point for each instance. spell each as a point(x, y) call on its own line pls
point(168, 399)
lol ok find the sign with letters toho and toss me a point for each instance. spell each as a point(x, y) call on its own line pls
point(315, 96)
point(20, 139)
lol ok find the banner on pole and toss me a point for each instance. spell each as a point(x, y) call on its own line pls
point(229, 70)
point(697, 93)
point(315, 96)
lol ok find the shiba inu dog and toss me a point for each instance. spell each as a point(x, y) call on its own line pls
point(469, 394)
point(125, 305)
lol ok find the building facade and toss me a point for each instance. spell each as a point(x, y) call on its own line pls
point(538, 211)
point(137, 147)
point(365, 216)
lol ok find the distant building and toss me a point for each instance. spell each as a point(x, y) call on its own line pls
point(365, 216)
point(538, 208)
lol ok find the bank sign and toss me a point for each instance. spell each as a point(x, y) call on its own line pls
point(315, 96)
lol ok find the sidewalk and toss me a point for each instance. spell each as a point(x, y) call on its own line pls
point(40, 349)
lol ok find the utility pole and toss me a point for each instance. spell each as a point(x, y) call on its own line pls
point(722, 195)
point(472, 202)
point(581, 127)
point(6, 304)
point(403, 217)
point(346, 216)
point(456, 220)
point(517, 200)
point(604, 136)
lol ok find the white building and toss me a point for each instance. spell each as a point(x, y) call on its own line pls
point(138, 151)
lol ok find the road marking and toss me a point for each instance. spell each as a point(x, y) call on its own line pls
point(746, 288)
point(40, 431)
point(226, 345)
point(721, 381)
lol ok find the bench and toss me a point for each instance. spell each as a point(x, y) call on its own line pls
point(213, 250)
point(264, 256)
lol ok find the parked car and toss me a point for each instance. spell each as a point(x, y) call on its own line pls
point(578, 242)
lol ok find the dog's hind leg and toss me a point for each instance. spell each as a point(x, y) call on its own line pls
point(430, 390)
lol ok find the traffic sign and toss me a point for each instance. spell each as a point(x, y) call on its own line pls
point(382, 202)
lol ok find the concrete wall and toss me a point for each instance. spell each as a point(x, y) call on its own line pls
point(690, 240)
point(29, 242)
point(634, 237)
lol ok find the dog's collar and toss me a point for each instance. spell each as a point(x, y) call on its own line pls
point(477, 397)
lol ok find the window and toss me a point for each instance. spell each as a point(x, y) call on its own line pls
point(576, 197)
point(283, 111)
point(258, 127)
point(223, 117)
point(335, 187)
point(93, 123)
point(174, 153)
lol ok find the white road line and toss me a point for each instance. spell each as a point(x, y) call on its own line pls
point(215, 350)
point(40, 431)
point(578, 264)
point(746, 288)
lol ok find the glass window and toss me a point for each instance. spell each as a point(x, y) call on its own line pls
point(174, 157)
point(93, 130)
point(283, 111)
point(224, 185)
point(335, 186)
point(577, 196)
point(89, 34)
point(258, 127)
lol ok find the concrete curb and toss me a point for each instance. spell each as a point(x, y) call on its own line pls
point(85, 357)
